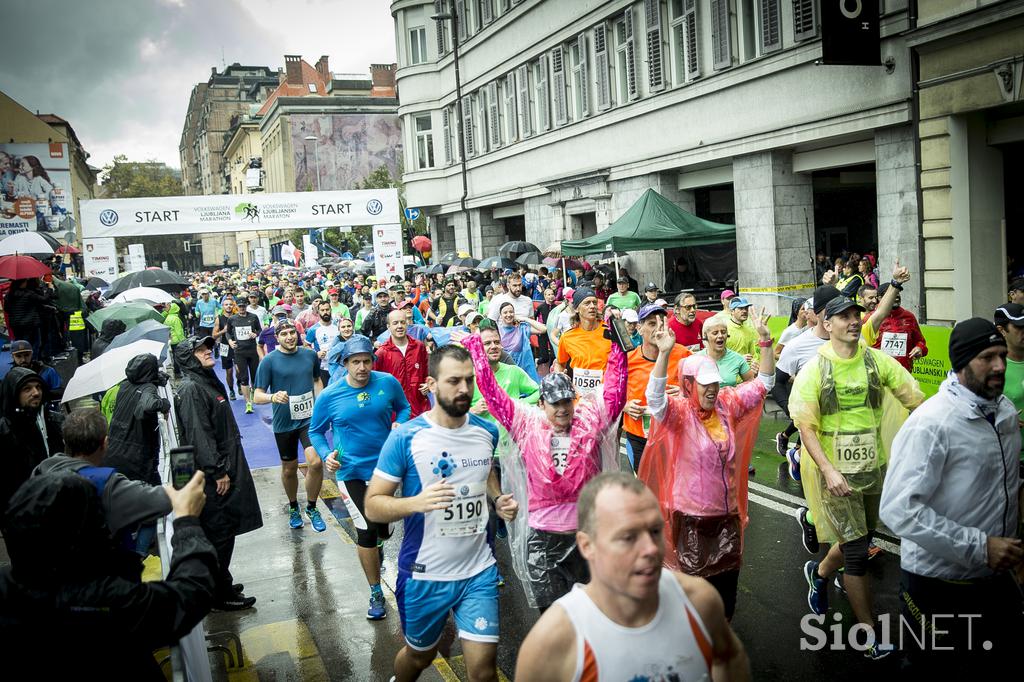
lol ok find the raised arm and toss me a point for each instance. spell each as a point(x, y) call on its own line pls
point(657, 404)
point(499, 403)
point(615, 383)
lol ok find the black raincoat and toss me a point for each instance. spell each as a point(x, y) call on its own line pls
point(63, 608)
point(111, 328)
point(205, 421)
point(23, 443)
point(133, 446)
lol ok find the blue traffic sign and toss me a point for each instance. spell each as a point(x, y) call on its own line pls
point(411, 214)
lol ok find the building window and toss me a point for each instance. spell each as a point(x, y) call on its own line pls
point(526, 120)
point(481, 119)
point(655, 51)
point(721, 42)
point(441, 27)
point(685, 53)
point(542, 95)
point(424, 142)
point(625, 57)
point(602, 67)
point(771, 25)
point(805, 20)
point(578, 58)
point(467, 126)
point(493, 115)
point(417, 45)
point(484, 13)
point(447, 116)
point(558, 86)
point(509, 95)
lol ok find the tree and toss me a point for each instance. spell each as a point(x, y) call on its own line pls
point(124, 179)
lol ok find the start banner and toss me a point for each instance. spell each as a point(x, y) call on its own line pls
point(237, 212)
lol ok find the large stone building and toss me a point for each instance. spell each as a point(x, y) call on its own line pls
point(571, 110)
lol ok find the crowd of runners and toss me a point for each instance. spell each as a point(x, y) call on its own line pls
point(489, 407)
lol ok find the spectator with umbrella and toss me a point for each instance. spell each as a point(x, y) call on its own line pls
point(25, 305)
point(110, 329)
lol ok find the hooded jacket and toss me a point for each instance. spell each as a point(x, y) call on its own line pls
point(172, 318)
point(133, 446)
point(24, 444)
point(205, 421)
point(60, 582)
point(110, 329)
point(953, 480)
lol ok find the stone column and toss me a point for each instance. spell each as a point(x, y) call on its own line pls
point(896, 189)
point(488, 233)
point(774, 224)
point(463, 239)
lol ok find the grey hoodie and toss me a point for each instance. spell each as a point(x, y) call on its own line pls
point(125, 503)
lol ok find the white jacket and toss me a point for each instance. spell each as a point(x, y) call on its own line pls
point(953, 480)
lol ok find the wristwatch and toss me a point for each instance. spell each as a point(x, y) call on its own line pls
point(896, 285)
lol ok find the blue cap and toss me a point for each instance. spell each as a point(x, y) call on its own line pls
point(651, 309)
point(355, 345)
point(739, 302)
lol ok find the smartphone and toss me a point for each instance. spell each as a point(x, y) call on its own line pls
point(619, 334)
point(183, 466)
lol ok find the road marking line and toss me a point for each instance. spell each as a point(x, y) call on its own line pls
point(445, 670)
point(460, 660)
point(777, 494)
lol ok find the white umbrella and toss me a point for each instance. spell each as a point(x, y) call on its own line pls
point(24, 242)
point(150, 294)
point(108, 369)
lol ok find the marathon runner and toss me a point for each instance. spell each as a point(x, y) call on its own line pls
point(511, 378)
point(321, 337)
point(288, 377)
point(243, 329)
point(357, 410)
point(634, 620)
point(684, 324)
point(636, 418)
point(224, 350)
point(206, 314)
point(1009, 320)
point(405, 358)
point(562, 445)
point(515, 337)
point(583, 351)
point(443, 461)
point(837, 404)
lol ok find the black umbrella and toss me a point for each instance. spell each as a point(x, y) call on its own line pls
point(531, 258)
point(147, 329)
point(161, 279)
point(499, 262)
point(465, 262)
point(511, 250)
point(422, 270)
point(437, 268)
point(449, 257)
point(96, 283)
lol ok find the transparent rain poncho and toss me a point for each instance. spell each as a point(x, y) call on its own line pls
point(696, 464)
point(547, 498)
point(855, 406)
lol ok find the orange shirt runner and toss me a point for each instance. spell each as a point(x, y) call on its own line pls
point(586, 352)
point(639, 369)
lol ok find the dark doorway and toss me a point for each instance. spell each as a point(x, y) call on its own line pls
point(845, 210)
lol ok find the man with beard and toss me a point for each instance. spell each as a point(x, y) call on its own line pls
point(21, 355)
point(321, 337)
point(290, 378)
point(444, 462)
point(27, 431)
point(952, 496)
point(205, 422)
point(360, 410)
point(405, 358)
point(376, 321)
point(444, 312)
point(523, 304)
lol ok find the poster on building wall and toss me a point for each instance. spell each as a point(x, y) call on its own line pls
point(387, 251)
point(13, 226)
point(35, 185)
point(348, 147)
point(136, 257)
point(100, 256)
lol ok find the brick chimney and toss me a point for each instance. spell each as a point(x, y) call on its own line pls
point(293, 69)
point(383, 78)
point(323, 69)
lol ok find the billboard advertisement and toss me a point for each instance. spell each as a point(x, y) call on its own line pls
point(348, 147)
point(387, 251)
point(35, 186)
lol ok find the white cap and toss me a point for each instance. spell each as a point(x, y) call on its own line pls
point(629, 315)
point(465, 308)
point(703, 369)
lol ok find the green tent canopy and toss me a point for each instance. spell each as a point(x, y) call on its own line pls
point(652, 223)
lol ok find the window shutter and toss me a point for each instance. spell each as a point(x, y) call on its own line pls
point(604, 86)
point(630, 55)
point(439, 26)
point(721, 49)
point(524, 100)
point(461, 18)
point(467, 124)
point(655, 64)
point(771, 30)
point(543, 95)
point(805, 20)
point(486, 11)
point(584, 94)
point(506, 5)
point(511, 134)
point(690, 30)
point(493, 119)
point(446, 126)
point(558, 85)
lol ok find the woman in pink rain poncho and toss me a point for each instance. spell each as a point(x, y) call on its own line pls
point(562, 444)
point(697, 457)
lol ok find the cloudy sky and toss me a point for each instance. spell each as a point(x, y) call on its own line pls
point(121, 71)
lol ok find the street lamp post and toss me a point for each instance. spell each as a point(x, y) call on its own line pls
point(316, 158)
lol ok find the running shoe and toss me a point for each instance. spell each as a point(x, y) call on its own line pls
point(248, 408)
point(781, 443)
point(793, 457)
point(232, 396)
point(316, 520)
point(878, 651)
point(808, 533)
point(295, 518)
point(751, 470)
point(817, 589)
point(236, 602)
point(873, 550)
point(376, 610)
point(238, 587)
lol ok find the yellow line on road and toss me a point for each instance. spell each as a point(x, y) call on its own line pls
point(445, 670)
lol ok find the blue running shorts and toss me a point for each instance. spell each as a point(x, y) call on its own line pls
point(423, 607)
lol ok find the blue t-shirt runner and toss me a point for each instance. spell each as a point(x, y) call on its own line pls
point(206, 313)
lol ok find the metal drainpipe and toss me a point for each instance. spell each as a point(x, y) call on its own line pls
point(458, 106)
point(915, 118)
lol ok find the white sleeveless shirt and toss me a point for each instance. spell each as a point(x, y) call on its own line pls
point(674, 647)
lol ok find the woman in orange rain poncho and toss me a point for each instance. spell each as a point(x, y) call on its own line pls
point(696, 461)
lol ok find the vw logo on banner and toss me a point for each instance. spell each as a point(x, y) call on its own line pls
point(374, 207)
point(108, 217)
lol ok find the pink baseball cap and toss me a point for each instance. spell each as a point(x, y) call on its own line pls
point(728, 293)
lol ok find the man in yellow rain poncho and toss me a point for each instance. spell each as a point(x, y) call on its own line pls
point(847, 405)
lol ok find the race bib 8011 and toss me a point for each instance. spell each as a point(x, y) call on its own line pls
point(301, 406)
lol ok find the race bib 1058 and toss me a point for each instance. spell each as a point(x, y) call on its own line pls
point(586, 381)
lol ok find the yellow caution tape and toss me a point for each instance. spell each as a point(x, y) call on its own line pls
point(788, 287)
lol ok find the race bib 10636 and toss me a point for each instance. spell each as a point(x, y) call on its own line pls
point(467, 513)
point(855, 452)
